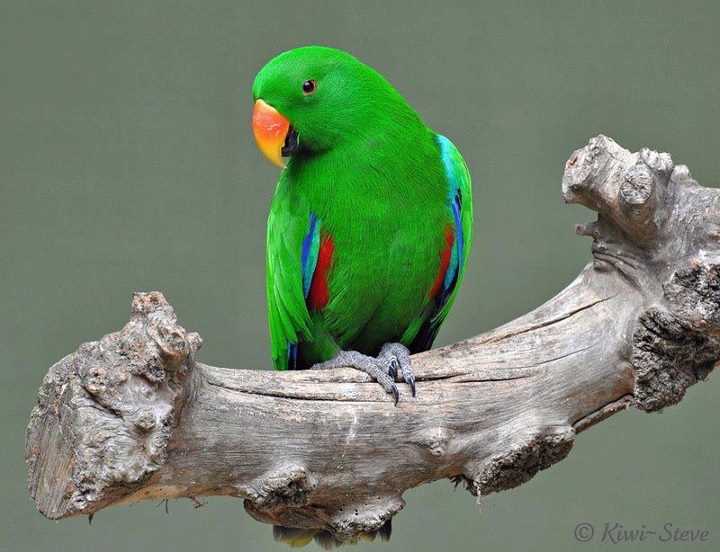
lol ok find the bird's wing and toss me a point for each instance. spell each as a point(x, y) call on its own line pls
point(292, 252)
point(459, 240)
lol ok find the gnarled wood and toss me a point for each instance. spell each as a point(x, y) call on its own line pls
point(134, 416)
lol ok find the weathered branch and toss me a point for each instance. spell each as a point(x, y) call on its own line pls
point(134, 416)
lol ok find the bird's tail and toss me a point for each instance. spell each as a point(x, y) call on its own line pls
point(297, 538)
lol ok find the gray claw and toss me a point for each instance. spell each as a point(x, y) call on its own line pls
point(410, 380)
point(393, 369)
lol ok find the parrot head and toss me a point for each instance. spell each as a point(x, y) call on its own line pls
point(314, 99)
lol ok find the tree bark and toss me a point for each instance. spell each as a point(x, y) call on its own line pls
point(134, 416)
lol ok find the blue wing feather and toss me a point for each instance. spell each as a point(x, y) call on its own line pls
point(308, 259)
point(460, 203)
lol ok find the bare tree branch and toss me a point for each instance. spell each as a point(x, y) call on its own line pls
point(134, 416)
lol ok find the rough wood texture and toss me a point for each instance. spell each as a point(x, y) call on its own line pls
point(134, 416)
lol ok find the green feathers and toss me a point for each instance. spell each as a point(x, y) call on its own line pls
point(371, 221)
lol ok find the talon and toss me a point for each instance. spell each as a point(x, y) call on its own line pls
point(395, 393)
point(393, 369)
point(411, 381)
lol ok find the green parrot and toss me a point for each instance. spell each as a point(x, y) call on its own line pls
point(371, 222)
point(370, 226)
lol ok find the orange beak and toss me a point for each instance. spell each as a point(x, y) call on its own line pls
point(271, 130)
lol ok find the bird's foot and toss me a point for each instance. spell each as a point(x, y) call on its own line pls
point(397, 357)
point(392, 362)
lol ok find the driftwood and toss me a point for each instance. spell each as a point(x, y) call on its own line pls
point(134, 416)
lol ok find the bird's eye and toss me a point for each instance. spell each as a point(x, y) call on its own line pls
point(309, 87)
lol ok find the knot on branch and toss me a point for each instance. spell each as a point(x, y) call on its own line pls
point(285, 497)
point(520, 463)
point(693, 293)
point(109, 408)
point(289, 487)
point(628, 191)
point(678, 343)
point(371, 515)
point(434, 440)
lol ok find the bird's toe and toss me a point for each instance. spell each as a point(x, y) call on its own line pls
point(376, 368)
point(397, 359)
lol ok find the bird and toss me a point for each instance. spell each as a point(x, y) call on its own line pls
point(369, 228)
point(370, 225)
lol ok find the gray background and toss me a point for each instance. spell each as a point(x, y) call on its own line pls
point(127, 163)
